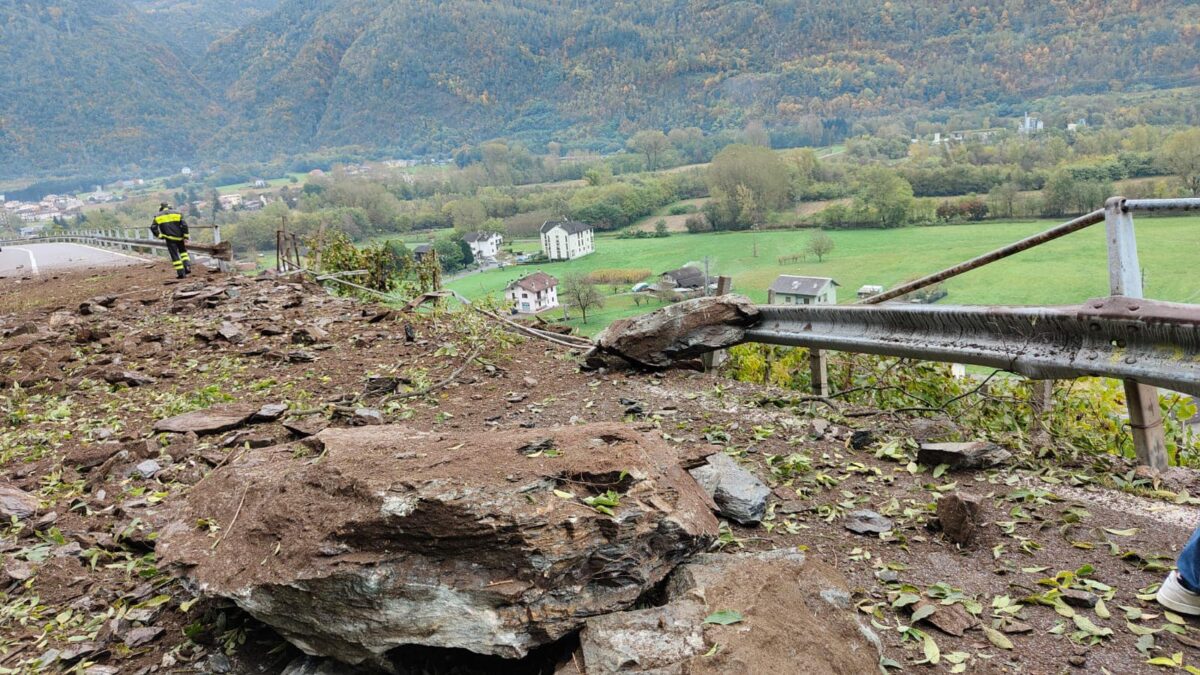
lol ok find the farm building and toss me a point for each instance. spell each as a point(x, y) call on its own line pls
point(684, 278)
point(794, 290)
point(868, 290)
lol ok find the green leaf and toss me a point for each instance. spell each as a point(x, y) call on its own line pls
point(1102, 610)
point(725, 617)
point(932, 653)
point(1085, 624)
point(922, 612)
point(997, 638)
point(905, 599)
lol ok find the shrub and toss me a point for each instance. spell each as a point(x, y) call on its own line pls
point(698, 223)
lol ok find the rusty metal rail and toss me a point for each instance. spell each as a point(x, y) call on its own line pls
point(1144, 343)
point(1154, 343)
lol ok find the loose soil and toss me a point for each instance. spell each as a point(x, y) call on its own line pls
point(95, 577)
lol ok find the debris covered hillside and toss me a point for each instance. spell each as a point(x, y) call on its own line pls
point(233, 474)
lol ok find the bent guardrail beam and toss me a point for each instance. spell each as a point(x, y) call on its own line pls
point(1145, 341)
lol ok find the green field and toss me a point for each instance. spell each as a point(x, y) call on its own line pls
point(1066, 271)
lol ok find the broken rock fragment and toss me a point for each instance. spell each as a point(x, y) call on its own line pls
point(738, 494)
point(456, 540)
point(212, 420)
point(975, 455)
point(16, 503)
point(791, 614)
point(961, 515)
point(680, 331)
point(867, 522)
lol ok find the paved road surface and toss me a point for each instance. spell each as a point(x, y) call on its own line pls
point(40, 258)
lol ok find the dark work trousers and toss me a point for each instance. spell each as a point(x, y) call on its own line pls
point(180, 259)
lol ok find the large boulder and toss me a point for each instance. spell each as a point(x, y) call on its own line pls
point(384, 536)
point(680, 331)
point(772, 612)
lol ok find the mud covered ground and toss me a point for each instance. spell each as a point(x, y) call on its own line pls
point(1059, 579)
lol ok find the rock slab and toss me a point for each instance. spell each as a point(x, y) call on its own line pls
point(15, 502)
point(208, 421)
point(738, 494)
point(975, 455)
point(680, 331)
point(458, 540)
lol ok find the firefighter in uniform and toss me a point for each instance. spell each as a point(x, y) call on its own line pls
point(170, 226)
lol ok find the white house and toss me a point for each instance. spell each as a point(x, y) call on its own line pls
point(534, 293)
point(793, 290)
point(484, 244)
point(567, 239)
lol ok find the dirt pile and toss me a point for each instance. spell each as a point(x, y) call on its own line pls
point(771, 612)
point(382, 536)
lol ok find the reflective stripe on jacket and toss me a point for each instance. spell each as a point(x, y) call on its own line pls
point(169, 225)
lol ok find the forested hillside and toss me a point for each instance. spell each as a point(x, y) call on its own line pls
point(424, 76)
point(85, 85)
point(193, 25)
point(427, 75)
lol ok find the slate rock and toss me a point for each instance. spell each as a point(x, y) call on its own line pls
point(950, 619)
point(961, 515)
point(643, 640)
point(15, 502)
point(975, 455)
point(231, 332)
point(443, 539)
point(147, 469)
point(867, 522)
point(365, 417)
point(680, 331)
point(208, 421)
point(306, 426)
point(136, 637)
point(797, 618)
point(1078, 598)
point(738, 494)
point(269, 412)
point(128, 377)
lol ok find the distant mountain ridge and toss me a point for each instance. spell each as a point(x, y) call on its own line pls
point(425, 76)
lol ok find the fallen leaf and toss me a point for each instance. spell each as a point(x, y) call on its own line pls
point(725, 617)
point(997, 638)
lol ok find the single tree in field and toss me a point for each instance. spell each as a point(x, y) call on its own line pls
point(580, 292)
point(1181, 153)
point(652, 144)
point(820, 244)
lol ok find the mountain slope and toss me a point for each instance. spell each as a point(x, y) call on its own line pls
point(84, 86)
point(428, 75)
point(195, 24)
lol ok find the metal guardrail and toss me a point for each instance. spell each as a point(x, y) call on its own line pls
point(221, 251)
point(1155, 343)
point(1145, 343)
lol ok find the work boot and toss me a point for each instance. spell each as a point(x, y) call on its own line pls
point(187, 269)
point(179, 274)
point(1174, 595)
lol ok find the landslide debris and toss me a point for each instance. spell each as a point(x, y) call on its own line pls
point(679, 332)
point(383, 536)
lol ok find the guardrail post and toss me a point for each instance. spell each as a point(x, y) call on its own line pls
point(1125, 278)
point(818, 365)
point(713, 360)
